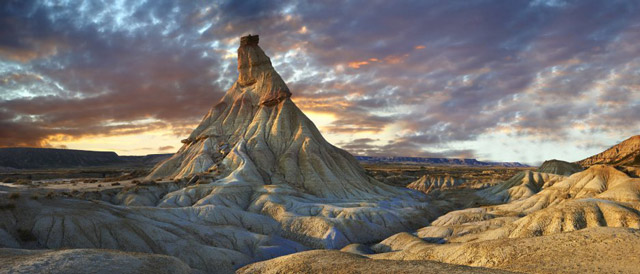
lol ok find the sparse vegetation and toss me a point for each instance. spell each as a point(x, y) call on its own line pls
point(115, 184)
point(14, 196)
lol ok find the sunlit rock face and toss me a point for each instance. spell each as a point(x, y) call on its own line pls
point(257, 132)
point(539, 215)
point(536, 204)
point(255, 150)
point(625, 153)
point(268, 184)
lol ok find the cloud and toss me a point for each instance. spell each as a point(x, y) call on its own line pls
point(165, 148)
point(429, 75)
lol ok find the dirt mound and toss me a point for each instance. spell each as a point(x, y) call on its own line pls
point(87, 261)
point(331, 261)
point(559, 167)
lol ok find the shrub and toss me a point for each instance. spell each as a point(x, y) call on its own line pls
point(115, 184)
point(14, 195)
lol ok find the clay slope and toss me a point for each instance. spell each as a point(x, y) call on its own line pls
point(625, 153)
point(598, 196)
point(523, 185)
point(565, 225)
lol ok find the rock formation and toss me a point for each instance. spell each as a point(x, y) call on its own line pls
point(523, 185)
point(428, 183)
point(261, 182)
point(625, 153)
point(543, 204)
point(539, 212)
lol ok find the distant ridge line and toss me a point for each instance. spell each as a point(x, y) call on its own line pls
point(37, 158)
point(436, 161)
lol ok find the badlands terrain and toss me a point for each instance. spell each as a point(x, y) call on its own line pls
point(255, 188)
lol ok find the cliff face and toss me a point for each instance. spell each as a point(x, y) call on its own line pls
point(625, 153)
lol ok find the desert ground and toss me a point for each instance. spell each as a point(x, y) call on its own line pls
point(255, 188)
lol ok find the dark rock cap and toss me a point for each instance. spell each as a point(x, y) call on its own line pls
point(249, 40)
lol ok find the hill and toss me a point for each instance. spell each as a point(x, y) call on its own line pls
point(625, 153)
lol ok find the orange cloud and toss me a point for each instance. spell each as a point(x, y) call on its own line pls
point(163, 148)
point(420, 47)
point(396, 59)
point(357, 64)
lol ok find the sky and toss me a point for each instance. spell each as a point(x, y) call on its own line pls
point(504, 80)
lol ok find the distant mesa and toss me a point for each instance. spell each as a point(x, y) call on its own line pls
point(30, 158)
point(435, 161)
point(625, 153)
point(52, 158)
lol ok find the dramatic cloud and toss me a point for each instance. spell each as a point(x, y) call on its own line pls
point(412, 78)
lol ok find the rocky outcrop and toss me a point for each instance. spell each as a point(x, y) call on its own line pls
point(625, 153)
